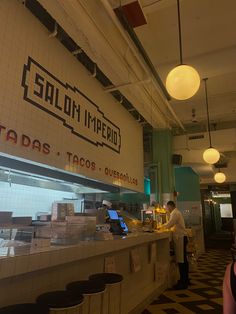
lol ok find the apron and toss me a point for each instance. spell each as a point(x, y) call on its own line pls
point(179, 248)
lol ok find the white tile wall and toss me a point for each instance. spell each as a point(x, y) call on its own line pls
point(27, 201)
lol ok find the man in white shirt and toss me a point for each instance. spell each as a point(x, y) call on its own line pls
point(177, 224)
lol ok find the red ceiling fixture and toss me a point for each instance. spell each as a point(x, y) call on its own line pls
point(133, 13)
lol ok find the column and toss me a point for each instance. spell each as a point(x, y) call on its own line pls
point(189, 202)
point(162, 174)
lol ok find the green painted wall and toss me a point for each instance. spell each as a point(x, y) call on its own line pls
point(187, 184)
point(147, 186)
point(218, 201)
point(162, 155)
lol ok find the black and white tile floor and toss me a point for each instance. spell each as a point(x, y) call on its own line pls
point(204, 295)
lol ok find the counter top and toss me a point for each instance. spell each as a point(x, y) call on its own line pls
point(12, 265)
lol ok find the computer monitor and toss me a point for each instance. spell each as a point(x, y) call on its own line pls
point(113, 215)
point(123, 224)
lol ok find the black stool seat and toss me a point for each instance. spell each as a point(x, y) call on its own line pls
point(86, 286)
point(60, 299)
point(107, 278)
point(26, 308)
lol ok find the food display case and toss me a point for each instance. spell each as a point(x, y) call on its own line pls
point(154, 216)
point(73, 230)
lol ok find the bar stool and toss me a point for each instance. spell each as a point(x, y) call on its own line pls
point(113, 284)
point(61, 302)
point(26, 308)
point(93, 293)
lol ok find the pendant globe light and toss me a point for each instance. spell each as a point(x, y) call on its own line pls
point(210, 155)
point(183, 81)
point(220, 177)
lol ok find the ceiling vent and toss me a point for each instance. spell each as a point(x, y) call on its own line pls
point(196, 137)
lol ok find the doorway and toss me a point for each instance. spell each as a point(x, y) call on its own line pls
point(217, 218)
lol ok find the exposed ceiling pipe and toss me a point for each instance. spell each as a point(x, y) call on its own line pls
point(94, 70)
point(144, 88)
point(170, 108)
point(113, 88)
point(77, 51)
point(112, 15)
point(129, 29)
point(54, 33)
point(141, 96)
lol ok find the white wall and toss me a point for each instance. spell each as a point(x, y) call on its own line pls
point(25, 39)
point(27, 201)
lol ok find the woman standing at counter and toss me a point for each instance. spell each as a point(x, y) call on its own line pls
point(229, 289)
point(180, 240)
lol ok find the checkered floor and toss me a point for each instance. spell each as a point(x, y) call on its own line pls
point(204, 296)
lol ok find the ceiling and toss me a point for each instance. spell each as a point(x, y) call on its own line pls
point(209, 44)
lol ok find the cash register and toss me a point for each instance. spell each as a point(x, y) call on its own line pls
point(117, 223)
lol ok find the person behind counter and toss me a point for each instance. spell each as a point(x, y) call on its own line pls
point(180, 240)
point(106, 204)
point(102, 212)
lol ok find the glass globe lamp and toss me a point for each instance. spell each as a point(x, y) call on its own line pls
point(211, 156)
point(182, 82)
point(219, 177)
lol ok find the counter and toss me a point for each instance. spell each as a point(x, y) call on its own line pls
point(23, 278)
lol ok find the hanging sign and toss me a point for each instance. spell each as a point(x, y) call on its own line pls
point(70, 106)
